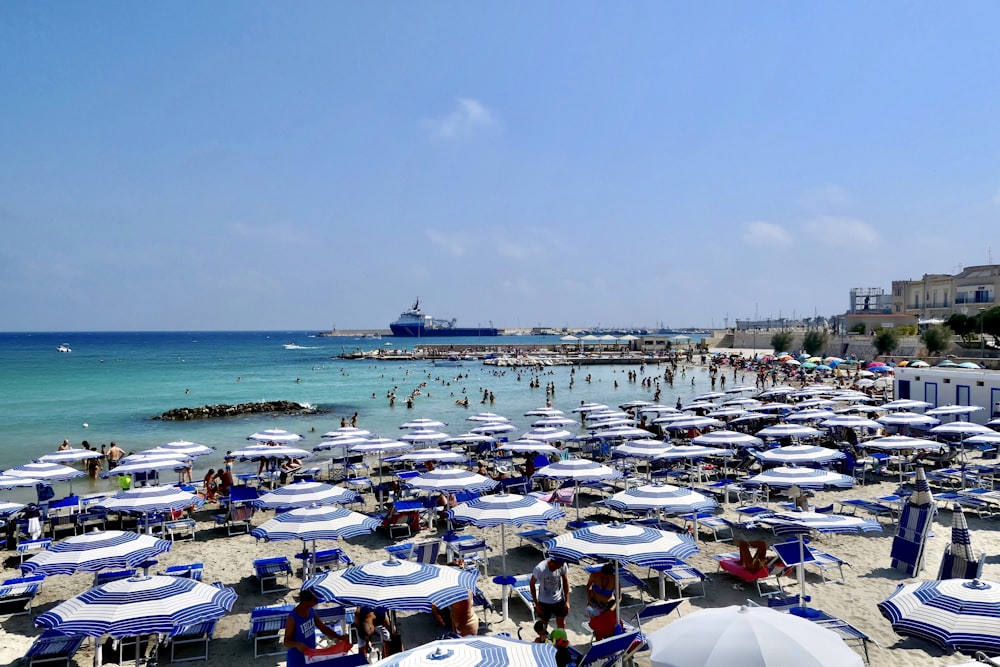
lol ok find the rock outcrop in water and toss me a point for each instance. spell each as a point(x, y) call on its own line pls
point(222, 410)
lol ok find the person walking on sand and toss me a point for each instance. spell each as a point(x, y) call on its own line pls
point(550, 590)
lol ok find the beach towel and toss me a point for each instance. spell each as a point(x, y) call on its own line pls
point(34, 528)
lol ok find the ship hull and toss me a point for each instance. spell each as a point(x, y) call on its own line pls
point(417, 331)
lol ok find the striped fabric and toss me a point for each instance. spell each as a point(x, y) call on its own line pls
point(797, 523)
point(806, 478)
point(692, 452)
point(661, 497)
point(959, 559)
point(452, 480)
point(623, 543)
point(395, 584)
point(527, 447)
point(306, 494)
point(903, 442)
point(788, 431)
point(907, 552)
point(47, 472)
point(726, 439)
point(71, 455)
point(275, 435)
point(431, 454)
point(641, 449)
point(380, 446)
point(799, 454)
point(956, 614)
point(581, 470)
point(141, 605)
point(507, 509)
point(258, 452)
point(476, 652)
point(13, 481)
point(152, 499)
point(315, 523)
point(95, 551)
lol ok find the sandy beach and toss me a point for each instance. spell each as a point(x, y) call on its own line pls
point(228, 559)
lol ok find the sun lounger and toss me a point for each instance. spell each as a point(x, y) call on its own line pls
point(28, 548)
point(522, 589)
point(18, 593)
point(187, 571)
point(608, 651)
point(470, 549)
point(536, 536)
point(683, 576)
point(268, 570)
point(52, 648)
point(197, 636)
point(711, 524)
point(730, 562)
point(107, 576)
point(179, 530)
point(825, 562)
point(267, 624)
point(879, 510)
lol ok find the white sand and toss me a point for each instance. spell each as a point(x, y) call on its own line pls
point(228, 559)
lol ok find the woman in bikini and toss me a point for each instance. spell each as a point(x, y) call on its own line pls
point(601, 593)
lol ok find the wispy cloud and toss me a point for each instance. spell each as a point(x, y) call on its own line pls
point(465, 118)
point(449, 242)
point(761, 233)
point(833, 231)
point(279, 232)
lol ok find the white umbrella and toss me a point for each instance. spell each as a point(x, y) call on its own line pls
point(727, 439)
point(547, 434)
point(13, 481)
point(423, 436)
point(799, 454)
point(490, 428)
point(489, 651)
point(71, 455)
point(953, 410)
point(788, 431)
point(306, 494)
point(258, 452)
point(907, 419)
point(423, 423)
point(785, 477)
point(347, 431)
point(578, 470)
point(275, 435)
point(748, 637)
point(431, 454)
point(528, 447)
point(451, 480)
point(185, 447)
point(487, 417)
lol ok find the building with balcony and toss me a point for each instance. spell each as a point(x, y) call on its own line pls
point(938, 296)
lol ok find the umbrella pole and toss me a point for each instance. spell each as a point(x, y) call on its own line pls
point(503, 557)
point(618, 602)
point(802, 572)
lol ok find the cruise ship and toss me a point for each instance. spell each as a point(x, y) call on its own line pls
point(413, 323)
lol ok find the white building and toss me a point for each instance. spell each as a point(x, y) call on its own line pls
point(952, 386)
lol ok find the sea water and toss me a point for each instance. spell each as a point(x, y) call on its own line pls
point(112, 385)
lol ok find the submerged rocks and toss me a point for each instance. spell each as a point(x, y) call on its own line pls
point(222, 410)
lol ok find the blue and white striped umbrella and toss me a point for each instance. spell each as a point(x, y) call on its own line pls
point(905, 404)
point(146, 465)
point(258, 452)
point(47, 472)
point(959, 554)
point(145, 499)
point(306, 494)
point(580, 470)
point(422, 423)
point(423, 436)
point(13, 481)
point(661, 498)
point(892, 443)
point(315, 523)
point(641, 449)
point(98, 550)
point(810, 416)
point(962, 428)
point(691, 422)
point(623, 543)
point(275, 435)
point(505, 509)
point(183, 448)
point(726, 439)
point(956, 614)
point(547, 434)
point(431, 454)
point(488, 417)
point(623, 432)
point(799, 455)
point(527, 447)
point(493, 428)
point(475, 652)
point(556, 420)
point(807, 478)
point(451, 480)
point(380, 446)
point(907, 419)
point(399, 585)
point(7, 507)
point(681, 452)
point(137, 606)
point(347, 431)
point(71, 455)
point(788, 431)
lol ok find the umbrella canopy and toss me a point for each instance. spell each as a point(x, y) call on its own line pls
point(806, 478)
point(850, 421)
point(555, 421)
point(962, 428)
point(749, 637)
point(663, 498)
point(796, 523)
point(905, 404)
point(901, 443)
point(799, 454)
point(47, 472)
point(71, 455)
point(395, 584)
point(788, 431)
point(547, 434)
point(146, 465)
point(423, 423)
point(258, 452)
point(147, 499)
point(907, 419)
point(275, 435)
point(726, 439)
point(641, 449)
point(953, 410)
point(306, 494)
point(380, 446)
point(692, 452)
point(141, 605)
point(7, 507)
point(347, 431)
point(623, 543)
point(475, 652)
point(960, 552)
point(315, 523)
point(580, 470)
point(431, 454)
point(491, 428)
point(423, 436)
point(487, 417)
point(451, 480)
point(691, 422)
point(185, 447)
point(528, 446)
point(98, 550)
point(956, 614)
point(13, 481)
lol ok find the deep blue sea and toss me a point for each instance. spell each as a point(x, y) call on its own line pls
point(114, 383)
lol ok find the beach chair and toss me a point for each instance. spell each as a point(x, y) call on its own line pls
point(536, 536)
point(469, 549)
point(192, 640)
point(18, 593)
point(321, 561)
point(237, 518)
point(107, 576)
point(267, 626)
point(711, 524)
point(179, 530)
point(907, 551)
point(28, 548)
point(187, 571)
point(52, 648)
point(878, 510)
point(683, 576)
point(608, 651)
point(826, 562)
point(730, 562)
point(522, 589)
point(268, 571)
point(852, 636)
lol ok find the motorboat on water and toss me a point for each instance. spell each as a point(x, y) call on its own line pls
point(293, 346)
point(414, 323)
point(63, 348)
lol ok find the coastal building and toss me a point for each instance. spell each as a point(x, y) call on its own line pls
point(949, 386)
point(938, 296)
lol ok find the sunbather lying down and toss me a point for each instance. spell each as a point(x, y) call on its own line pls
point(758, 560)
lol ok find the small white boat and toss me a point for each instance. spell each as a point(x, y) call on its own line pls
point(293, 346)
point(63, 348)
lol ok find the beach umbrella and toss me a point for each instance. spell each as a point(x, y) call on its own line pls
point(468, 439)
point(907, 551)
point(589, 407)
point(788, 431)
point(489, 651)
point(13, 481)
point(423, 436)
point(621, 433)
point(956, 614)
point(641, 449)
point(799, 455)
point(692, 422)
point(905, 404)
point(46, 472)
point(422, 423)
point(97, 550)
point(305, 494)
point(491, 428)
point(275, 435)
point(748, 637)
point(665, 499)
point(812, 415)
point(692, 452)
point(380, 447)
point(953, 410)
point(907, 419)
point(622, 543)
point(341, 442)
point(543, 412)
point(347, 431)
point(578, 470)
point(528, 446)
point(896, 443)
point(71, 455)
point(785, 477)
point(451, 480)
point(487, 417)
point(710, 396)
point(185, 447)
point(399, 585)
point(547, 434)
point(802, 523)
point(505, 509)
point(555, 421)
point(145, 466)
point(138, 606)
point(258, 452)
point(147, 499)
point(431, 454)
point(959, 560)
point(7, 508)
point(850, 421)
point(962, 428)
point(734, 411)
point(726, 439)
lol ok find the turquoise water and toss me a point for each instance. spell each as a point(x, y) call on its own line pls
point(115, 383)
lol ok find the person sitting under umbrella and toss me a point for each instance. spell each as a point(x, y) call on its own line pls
point(602, 594)
point(461, 616)
point(367, 623)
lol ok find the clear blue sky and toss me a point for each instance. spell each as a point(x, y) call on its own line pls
point(251, 165)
